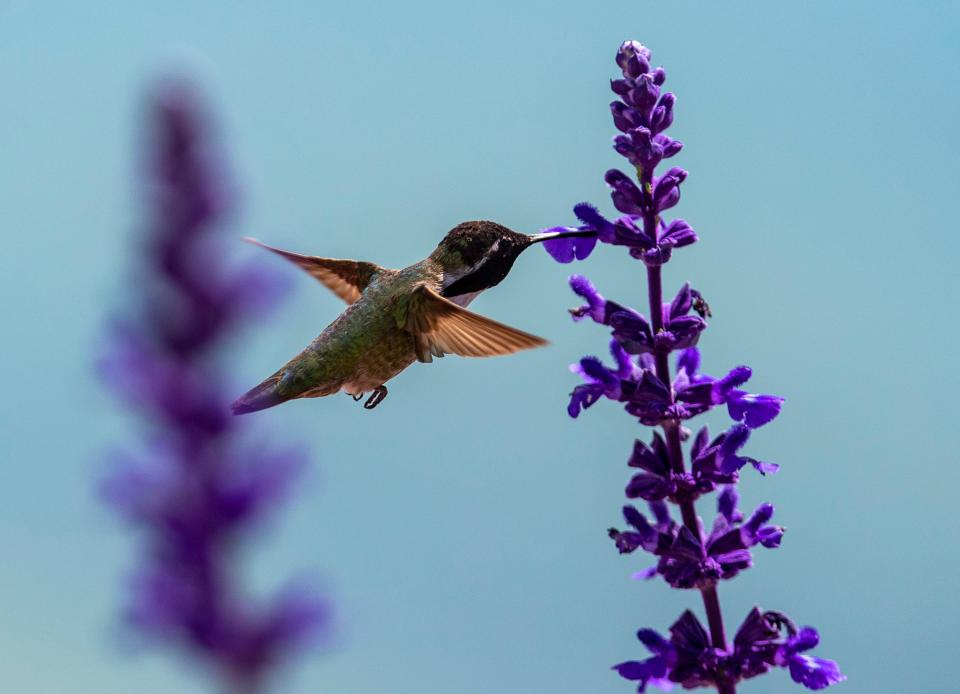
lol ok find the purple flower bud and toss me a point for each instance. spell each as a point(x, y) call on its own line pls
point(663, 113)
point(666, 189)
point(626, 196)
point(624, 118)
point(633, 58)
point(632, 331)
point(643, 97)
point(677, 234)
point(668, 146)
point(682, 302)
point(621, 87)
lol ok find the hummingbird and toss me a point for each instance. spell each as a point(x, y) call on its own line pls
point(396, 317)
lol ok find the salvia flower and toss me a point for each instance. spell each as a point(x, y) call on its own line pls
point(201, 482)
point(687, 556)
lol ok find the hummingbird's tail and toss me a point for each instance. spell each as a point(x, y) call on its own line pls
point(259, 397)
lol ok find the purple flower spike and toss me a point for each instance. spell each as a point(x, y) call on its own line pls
point(200, 484)
point(687, 557)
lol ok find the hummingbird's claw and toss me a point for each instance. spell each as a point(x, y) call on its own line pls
point(376, 397)
point(356, 396)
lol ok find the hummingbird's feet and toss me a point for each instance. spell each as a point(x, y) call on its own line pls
point(356, 396)
point(376, 397)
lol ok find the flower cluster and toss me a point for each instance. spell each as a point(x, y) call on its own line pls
point(200, 484)
point(687, 556)
point(687, 559)
point(763, 641)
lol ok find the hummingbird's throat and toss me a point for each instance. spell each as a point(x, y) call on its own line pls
point(461, 270)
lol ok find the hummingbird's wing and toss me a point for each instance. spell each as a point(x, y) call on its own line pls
point(345, 278)
point(441, 327)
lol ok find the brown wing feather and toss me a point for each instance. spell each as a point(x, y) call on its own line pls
point(345, 278)
point(441, 327)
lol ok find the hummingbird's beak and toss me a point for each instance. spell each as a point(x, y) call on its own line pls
point(547, 235)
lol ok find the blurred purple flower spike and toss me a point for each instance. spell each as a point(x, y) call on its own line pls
point(687, 556)
point(200, 484)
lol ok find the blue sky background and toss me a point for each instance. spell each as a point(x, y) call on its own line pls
point(460, 527)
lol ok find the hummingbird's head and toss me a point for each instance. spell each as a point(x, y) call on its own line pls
point(477, 255)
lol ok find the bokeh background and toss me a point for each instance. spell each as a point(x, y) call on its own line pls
point(460, 527)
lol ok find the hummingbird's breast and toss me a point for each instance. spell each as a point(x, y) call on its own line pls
point(364, 348)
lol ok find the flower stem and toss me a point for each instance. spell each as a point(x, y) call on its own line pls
point(671, 430)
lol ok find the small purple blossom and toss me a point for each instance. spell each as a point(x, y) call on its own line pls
point(811, 672)
point(687, 557)
point(200, 483)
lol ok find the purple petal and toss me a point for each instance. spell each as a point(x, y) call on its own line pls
point(644, 574)
point(755, 628)
point(699, 442)
point(583, 397)
point(632, 670)
point(727, 501)
point(632, 331)
point(737, 376)
point(754, 410)
point(663, 114)
point(647, 459)
point(620, 87)
point(648, 487)
point(814, 673)
point(805, 639)
point(770, 536)
point(596, 305)
point(654, 641)
point(688, 634)
point(758, 518)
point(669, 146)
point(763, 467)
point(626, 368)
point(682, 302)
point(734, 439)
point(625, 194)
point(661, 512)
point(678, 234)
point(589, 215)
point(689, 361)
point(566, 249)
point(639, 521)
